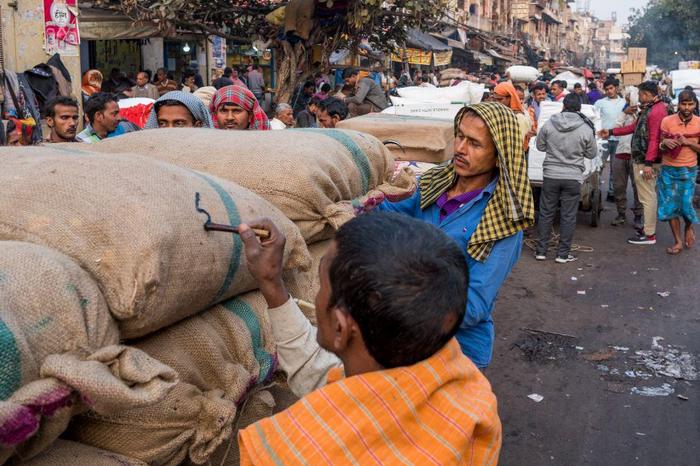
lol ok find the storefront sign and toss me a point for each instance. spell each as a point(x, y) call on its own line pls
point(442, 58)
point(413, 56)
point(61, 27)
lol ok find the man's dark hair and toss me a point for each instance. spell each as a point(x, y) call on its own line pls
point(171, 103)
point(309, 84)
point(334, 107)
point(572, 103)
point(325, 87)
point(561, 83)
point(97, 103)
point(314, 101)
point(610, 82)
point(591, 86)
point(60, 100)
point(540, 86)
point(228, 71)
point(350, 72)
point(189, 73)
point(425, 79)
point(579, 86)
point(407, 305)
point(649, 86)
point(686, 95)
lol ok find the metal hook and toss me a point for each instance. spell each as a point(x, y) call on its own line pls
point(210, 226)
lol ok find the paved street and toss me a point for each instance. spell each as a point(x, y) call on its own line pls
point(589, 415)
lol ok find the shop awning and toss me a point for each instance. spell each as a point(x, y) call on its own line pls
point(420, 40)
point(98, 24)
point(497, 55)
point(553, 18)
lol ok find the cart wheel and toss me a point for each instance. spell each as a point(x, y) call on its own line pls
point(596, 206)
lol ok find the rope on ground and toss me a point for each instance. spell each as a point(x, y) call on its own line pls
point(554, 242)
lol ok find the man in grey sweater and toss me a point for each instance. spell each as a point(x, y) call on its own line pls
point(567, 138)
point(368, 97)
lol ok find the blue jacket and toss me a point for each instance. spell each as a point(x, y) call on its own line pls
point(476, 334)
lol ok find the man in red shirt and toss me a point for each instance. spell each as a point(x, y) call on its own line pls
point(646, 157)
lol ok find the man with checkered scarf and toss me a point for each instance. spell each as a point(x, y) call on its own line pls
point(482, 200)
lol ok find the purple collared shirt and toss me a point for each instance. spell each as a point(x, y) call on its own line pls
point(447, 207)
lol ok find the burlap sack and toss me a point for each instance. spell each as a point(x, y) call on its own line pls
point(67, 453)
point(421, 139)
point(304, 173)
point(59, 352)
point(131, 223)
point(221, 356)
point(258, 405)
point(305, 285)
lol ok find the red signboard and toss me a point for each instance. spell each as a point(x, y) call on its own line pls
point(61, 25)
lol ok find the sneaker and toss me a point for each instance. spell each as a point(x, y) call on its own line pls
point(619, 220)
point(638, 223)
point(540, 257)
point(641, 238)
point(564, 260)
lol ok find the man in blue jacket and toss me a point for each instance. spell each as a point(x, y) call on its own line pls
point(482, 200)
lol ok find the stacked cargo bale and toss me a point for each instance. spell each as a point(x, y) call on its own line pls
point(131, 224)
point(60, 353)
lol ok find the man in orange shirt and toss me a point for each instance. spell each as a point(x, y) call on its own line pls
point(383, 379)
point(680, 145)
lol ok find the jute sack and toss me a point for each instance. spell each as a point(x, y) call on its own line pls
point(303, 172)
point(59, 352)
point(257, 405)
point(305, 285)
point(220, 355)
point(419, 138)
point(131, 223)
point(67, 453)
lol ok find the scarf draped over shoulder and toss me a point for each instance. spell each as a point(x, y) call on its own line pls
point(511, 207)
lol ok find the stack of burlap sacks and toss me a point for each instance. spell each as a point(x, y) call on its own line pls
point(449, 74)
point(127, 327)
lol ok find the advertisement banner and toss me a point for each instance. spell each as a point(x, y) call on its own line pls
point(61, 27)
point(413, 56)
point(442, 58)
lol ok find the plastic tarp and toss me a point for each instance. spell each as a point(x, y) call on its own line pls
point(571, 79)
point(463, 93)
point(136, 110)
point(536, 157)
point(682, 78)
point(440, 111)
point(98, 24)
point(420, 40)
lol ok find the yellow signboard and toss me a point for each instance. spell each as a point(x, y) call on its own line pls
point(442, 58)
point(413, 56)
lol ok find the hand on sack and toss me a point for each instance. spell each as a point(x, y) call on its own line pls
point(264, 258)
point(604, 133)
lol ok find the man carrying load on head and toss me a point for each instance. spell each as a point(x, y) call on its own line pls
point(235, 107)
point(178, 109)
point(382, 378)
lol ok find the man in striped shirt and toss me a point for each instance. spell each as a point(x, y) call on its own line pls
point(382, 378)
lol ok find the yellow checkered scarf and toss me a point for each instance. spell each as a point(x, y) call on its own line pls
point(511, 207)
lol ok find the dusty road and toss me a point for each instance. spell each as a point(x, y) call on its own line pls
point(591, 413)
